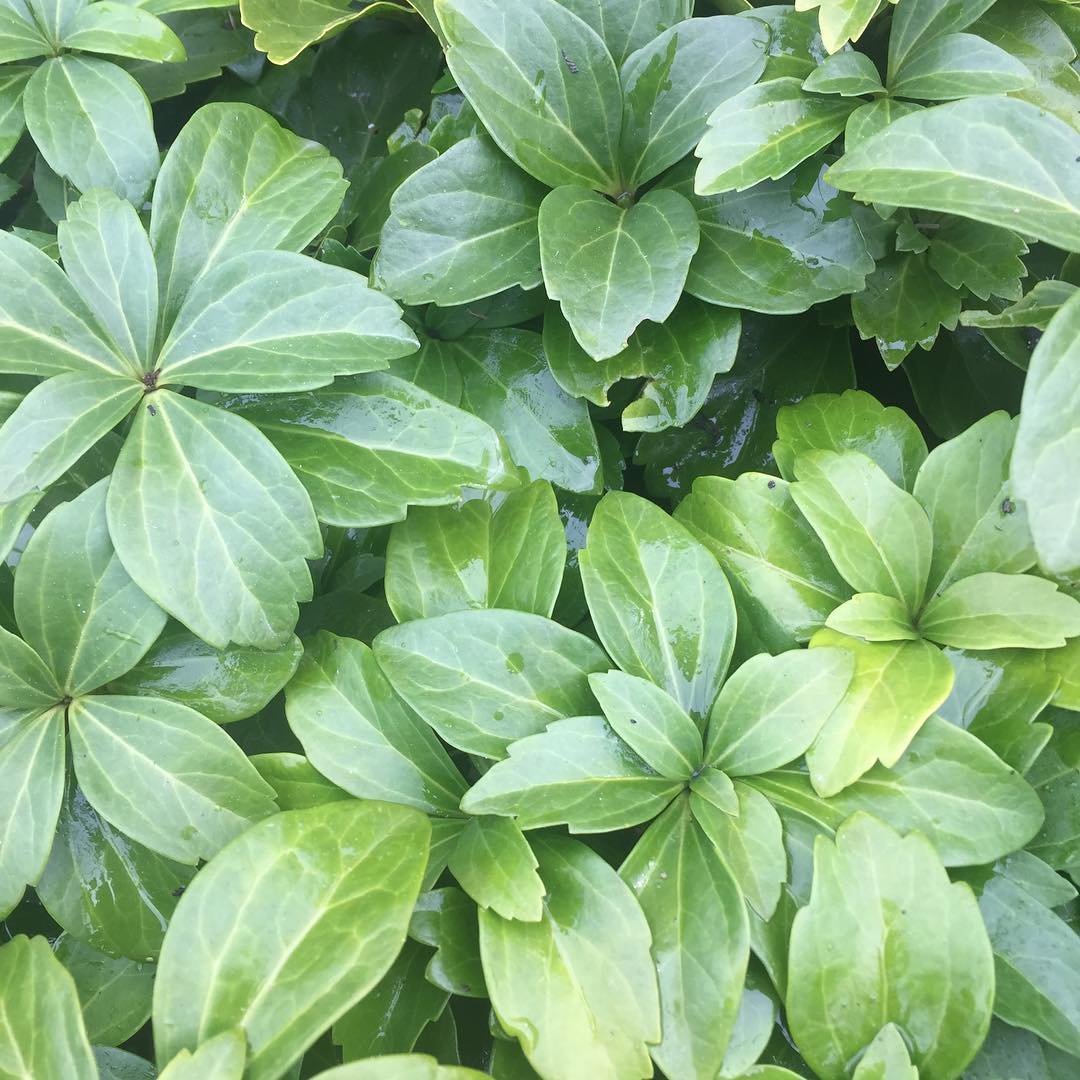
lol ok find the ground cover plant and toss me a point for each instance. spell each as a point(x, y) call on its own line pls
point(541, 539)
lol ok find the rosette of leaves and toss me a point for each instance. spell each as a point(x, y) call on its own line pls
point(935, 548)
point(206, 514)
point(582, 204)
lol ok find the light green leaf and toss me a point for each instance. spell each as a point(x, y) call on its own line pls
point(754, 1024)
point(847, 73)
point(895, 689)
point(339, 881)
point(650, 722)
point(869, 119)
point(1047, 450)
point(700, 939)
point(947, 785)
point(873, 617)
point(104, 888)
point(12, 83)
point(1036, 308)
point(772, 708)
point(276, 321)
point(494, 864)
point(234, 180)
point(211, 523)
point(1001, 611)
point(507, 383)
point(75, 603)
point(958, 66)
point(783, 580)
point(461, 228)
point(763, 132)
point(400, 1067)
point(920, 21)
point(41, 1028)
point(544, 85)
point(20, 36)
point(55, 424)
point(777, 248)
point(116, 28)
point(982, 258)
point(965, 488)
point(840, 20)
point(453, 558)
point(628, 25)
point(612, 267)
point(1021, 178)
point(1029, 32)
point(360, 735)
point(25, 680)
point(221, 1058)
point(875, 532)
point(596, 1010)
point(1066, 663)
point(368, 450)
point(675, 81)
point(750, 842)
point(91, 121)
point(886, 1058)
point(165, 775)
point(296, 782)
point(482, 679)
point(716, 788)
point(887, 938)
point(31, 788)
point(854, 420)
point(45, 326)
point(577, 773)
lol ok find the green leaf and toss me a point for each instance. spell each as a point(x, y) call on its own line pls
point(958, 66)
point(164, 775)
point(400, 1067)
point(612, 267)
point(1036, 308)
point(45, 326)
point(716, 788)
point(750, 842)
point(25, 680)
point(675, 81)
point(370, 194)
point(494, 864)
point(1048, 443)
point(41, 1027)
point(895, 689)
point(947, 785)
point(461, 228)
point(1001, 611)
point(650, 722)
point(886, 1058)
point(854, 420)
point(358, 733)
point(795, 45)
point(221, 1057)
point(119, 29)
point(1036, 964)
point(887, 939)
point(680, 358)
point(446, 919)
point(596, 1009)
point(920, 21)
point(875, 532)
point(841, 20)
point(873, 617)
point(777, 248)
point(660, 602)
point(276, 321)
point(368, 450)
point(482, 679)
point(1029, 33)
point(20, 36)
point(234, 180)
point(55, 424)
point(507, 383)
point(982, 258)
point(75, 603)
point(577, 773)
point(12, 125)
point(782, 578)
point(544, 85)
point(763, 132)
point(700, 939)
point(114, 993)
point(772, 708)
point(903, 305)
point(339, 881)
point(31, 788)
point(91, 121)
point(848, 73)
point(105, 889)
point(869, 119)
point(453, 558)
point(1021, 178)
point(296, 782)
point(223, 684)
point(965, 488)
point(629, 25)
point(211, 523)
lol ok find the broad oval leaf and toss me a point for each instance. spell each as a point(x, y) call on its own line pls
point(338, 880)
point(920, 21)
point(873, 617)
point(958, 66)
point(482, 679)
point(117, 29)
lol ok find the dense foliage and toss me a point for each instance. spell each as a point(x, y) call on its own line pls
point(541, 539)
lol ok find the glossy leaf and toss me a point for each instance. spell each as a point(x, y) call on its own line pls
point(873, 617)
point(494, 864)
point(630, 24)
point(116, 29)
point(25, 680)
point(958, 66)
point(446, 919)
point(850, 73)
point(222, 1057)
